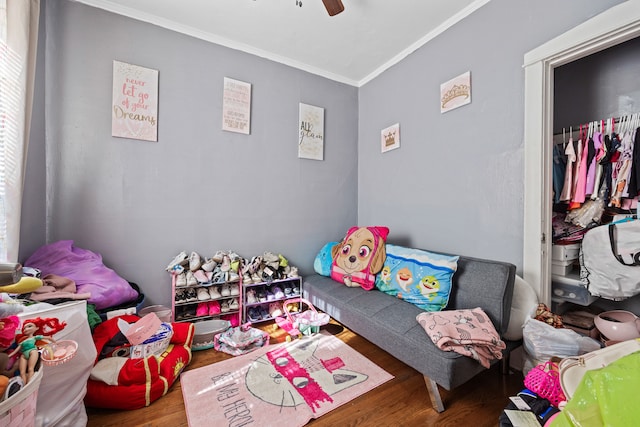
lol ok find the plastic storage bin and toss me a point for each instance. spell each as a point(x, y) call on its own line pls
point(565, 252)
point(571, 292)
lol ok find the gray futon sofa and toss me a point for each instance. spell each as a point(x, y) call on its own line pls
point(390, 323)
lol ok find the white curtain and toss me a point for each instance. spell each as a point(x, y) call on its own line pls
point(18, 45)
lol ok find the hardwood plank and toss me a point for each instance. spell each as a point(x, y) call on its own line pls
point(402, 401)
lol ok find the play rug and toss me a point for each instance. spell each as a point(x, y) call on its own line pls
point(280, 385)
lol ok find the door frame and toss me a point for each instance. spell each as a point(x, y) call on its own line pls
point(612, 27)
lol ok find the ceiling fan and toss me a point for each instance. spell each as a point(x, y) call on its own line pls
point(333, 7)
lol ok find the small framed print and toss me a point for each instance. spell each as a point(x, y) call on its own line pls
point(310, 132)
point(236, 106)
point(390, 138)
point(455, 93)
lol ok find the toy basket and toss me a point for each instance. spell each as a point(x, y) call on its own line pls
point(544, 380)
point(304, 322)
point(20, 408)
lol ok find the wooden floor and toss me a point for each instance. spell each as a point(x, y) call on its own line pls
point(403, 401)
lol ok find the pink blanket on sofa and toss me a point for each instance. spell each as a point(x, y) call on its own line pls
point(468, 332)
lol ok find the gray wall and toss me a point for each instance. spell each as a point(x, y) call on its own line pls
point(597, 87)
point(456, 182)
point(198, 188)
point(454, 185)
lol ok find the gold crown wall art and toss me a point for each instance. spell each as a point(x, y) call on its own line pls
point(390, 138)
point(455, 93)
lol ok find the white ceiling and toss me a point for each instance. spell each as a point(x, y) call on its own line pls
point(352, 47)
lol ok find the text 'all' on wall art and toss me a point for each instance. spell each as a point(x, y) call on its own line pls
point(310, 132)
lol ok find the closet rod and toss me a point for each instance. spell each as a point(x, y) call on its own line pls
point(616, 120)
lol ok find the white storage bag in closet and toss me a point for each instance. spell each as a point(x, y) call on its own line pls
point(63, 387)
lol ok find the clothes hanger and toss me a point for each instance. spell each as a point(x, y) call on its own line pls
point(622, 124)
point(571, 133)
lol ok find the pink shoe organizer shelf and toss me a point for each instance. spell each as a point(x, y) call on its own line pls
point(262, 301)
point(206, 301)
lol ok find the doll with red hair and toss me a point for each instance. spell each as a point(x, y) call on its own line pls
point(35, 333)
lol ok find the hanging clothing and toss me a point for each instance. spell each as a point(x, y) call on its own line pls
point(634, 177)
point(581, 182)
point(621, 171)
point(612, 143)
point(567, 188)
point(600, 155)
point(558, 173)
point(594, 146)
point(627, 156)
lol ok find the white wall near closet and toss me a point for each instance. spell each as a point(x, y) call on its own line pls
point(612, 27)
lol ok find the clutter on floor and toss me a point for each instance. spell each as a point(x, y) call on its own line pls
point(570, 358)
point(48, 309)
point(136, 364)
point(78, 273)
point(47, 352)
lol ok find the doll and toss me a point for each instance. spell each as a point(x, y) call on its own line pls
point(34, 332)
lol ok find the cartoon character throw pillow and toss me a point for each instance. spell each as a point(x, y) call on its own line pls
point(359, 256)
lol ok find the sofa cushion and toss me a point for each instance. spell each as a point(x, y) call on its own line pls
point(419, 277)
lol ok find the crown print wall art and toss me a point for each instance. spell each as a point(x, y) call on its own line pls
point(456, 92)
point(390, 138)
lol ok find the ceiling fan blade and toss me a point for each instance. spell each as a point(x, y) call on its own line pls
point(334, 7)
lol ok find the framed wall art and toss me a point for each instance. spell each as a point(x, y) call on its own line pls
point(236, 106)
point(456, 92)
point(310, 132)
point(134, 112)
point(390, 138)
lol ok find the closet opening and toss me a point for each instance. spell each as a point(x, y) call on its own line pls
point(596, 114)
point(616, 26)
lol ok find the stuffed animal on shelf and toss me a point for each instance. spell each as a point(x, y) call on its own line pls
point(359, 256)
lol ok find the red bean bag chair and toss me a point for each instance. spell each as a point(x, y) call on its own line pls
point(123, 383)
